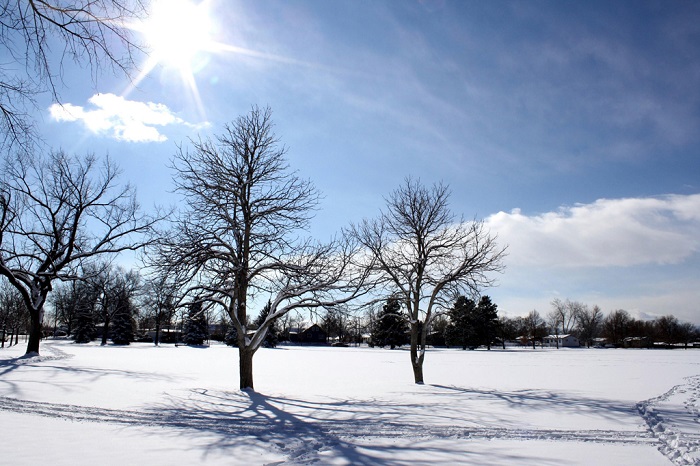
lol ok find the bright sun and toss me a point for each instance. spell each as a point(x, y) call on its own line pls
point(176, 32)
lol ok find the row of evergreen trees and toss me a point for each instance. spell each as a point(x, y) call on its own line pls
point(468, 325)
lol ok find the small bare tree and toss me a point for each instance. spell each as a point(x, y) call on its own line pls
point(160, 297)
point(13, 315)
point(238, 239)
point(588, 323)
point(57, 212)
point(95, 32)
point(566, 312)
point(426, 257)
point(534, 326)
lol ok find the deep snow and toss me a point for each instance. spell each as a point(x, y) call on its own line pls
point(86, 404)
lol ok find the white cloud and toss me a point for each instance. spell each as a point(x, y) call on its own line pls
point(608, 232)
point(117, 117)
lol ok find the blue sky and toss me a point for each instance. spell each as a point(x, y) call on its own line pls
point(571, 128)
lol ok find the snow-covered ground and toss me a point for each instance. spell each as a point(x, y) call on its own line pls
point(86, 404)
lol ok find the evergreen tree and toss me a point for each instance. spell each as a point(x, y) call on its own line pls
point(391, 327)
point(84, 326)
point(196, 327)
point(487, 321)
point(272, 335)
point(231, 338)
point(122, 330)
point(83, 298)
point(462, 329)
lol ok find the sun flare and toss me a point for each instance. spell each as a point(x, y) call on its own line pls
point(177, 32)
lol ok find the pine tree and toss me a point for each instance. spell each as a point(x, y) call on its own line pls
point(272, 335)
point(196, 327)
point(122, 330)
point(231, 338)
point(462, 329)
point(83, 297)
point(391, 326)
point(487, 321)
point(84, 327)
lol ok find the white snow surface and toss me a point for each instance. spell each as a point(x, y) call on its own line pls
point(86, 404)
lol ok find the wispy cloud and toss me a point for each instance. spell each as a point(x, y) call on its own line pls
point(606, 233)
point(119, 118)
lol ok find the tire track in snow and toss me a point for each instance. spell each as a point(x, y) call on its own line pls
point(677, 444)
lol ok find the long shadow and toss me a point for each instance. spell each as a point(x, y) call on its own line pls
point(313, 430)
point(364, 432)
point(540, 399)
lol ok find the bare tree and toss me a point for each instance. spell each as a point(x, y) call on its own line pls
point(567, 311)
point(616, 326)
point(116, 289)
point(239, 240)
point(95, 32)
point(554, 321)
point(13, 315)
point(534, 326)
point(161, 297)
point(588, 322)
point(687, 332)
point(57, 212)
point(65, 299)
point(426, 257)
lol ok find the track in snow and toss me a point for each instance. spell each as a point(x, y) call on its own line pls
point(674, 418)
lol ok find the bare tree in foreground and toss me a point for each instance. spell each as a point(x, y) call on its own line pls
point(426, 257)
point(88, 31)
point(238, 239)
point(57, 212)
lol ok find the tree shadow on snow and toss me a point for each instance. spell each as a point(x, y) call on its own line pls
point(543, 400)
point(362, 432)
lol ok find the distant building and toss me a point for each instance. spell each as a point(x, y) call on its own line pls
point(561, 341)
point(313, 335)
point(637, 342)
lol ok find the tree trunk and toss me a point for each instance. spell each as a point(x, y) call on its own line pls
point(418, 372)
point(34, 332)
point(156, 339)
point(245, 357)
point(105, 329)
point(416, 361)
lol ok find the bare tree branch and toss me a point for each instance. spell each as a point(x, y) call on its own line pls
point(92, 32)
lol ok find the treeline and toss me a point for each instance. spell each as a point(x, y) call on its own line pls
point(108, 303)
point(470, 324)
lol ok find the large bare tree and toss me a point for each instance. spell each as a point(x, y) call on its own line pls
point(426, 257)
point(36, 38)
point(239, 241)
point(57, 212)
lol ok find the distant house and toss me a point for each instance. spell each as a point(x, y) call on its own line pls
point(637, 342)
point(561, 341)
point(313, 335)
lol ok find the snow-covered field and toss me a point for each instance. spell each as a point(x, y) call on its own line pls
point(79, 404)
